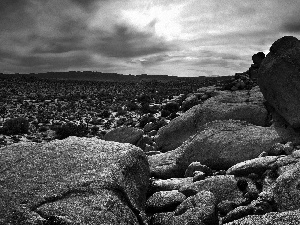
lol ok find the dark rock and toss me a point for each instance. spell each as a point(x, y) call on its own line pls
point(279, 78)
point(238, 213)
point(124, 134)
point(274, 218)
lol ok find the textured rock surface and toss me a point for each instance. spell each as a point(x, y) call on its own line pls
point(73, 181)
point(204, 202)
point(124, 135)
point(274, 218)
point(164, 201)
point(223, 187)
point(279, 78)
point(287, 190)
point(220, 145)
point(242, 105)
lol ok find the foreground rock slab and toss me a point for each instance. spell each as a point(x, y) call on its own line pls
point(73, 181)
point(220, 145)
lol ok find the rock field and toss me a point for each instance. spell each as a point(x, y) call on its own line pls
point(224, 154)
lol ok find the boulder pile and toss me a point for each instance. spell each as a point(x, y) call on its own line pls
point(232, 158)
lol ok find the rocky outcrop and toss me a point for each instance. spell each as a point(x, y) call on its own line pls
point(279, 79)
point(244, 105)
point(220, 145)
point(73, 181)
point(124, 134)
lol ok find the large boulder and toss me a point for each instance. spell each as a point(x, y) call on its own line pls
point(124, 134)
point(220, 145)
point(241, 105)
point(73, 181)
point(279, 78)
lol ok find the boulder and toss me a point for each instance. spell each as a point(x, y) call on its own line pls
point(223, 187)
point(279, 78)
point(257, 165)
point(286, 190)
point(124, 134)
point(203, 202)
point(241, 105)
point(164, 201)
point(258, 58)
point(274, 218)
point(220, 145)
point(73, 181)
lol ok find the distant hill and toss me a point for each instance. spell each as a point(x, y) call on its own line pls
point(99, 76)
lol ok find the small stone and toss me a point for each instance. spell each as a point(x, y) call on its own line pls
point(198, 175)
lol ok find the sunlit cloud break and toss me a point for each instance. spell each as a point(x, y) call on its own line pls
point(182, 38)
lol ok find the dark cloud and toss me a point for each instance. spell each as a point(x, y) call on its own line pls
point(13, 15)
point(292, 25)
point(154, 60)
point(127, 42)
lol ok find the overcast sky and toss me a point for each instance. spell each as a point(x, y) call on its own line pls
point(174, 37)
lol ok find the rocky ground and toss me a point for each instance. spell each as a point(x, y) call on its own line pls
point(231, 156)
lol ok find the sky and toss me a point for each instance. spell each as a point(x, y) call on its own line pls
point(175, 37)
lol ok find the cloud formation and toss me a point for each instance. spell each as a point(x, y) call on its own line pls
point(183, 38)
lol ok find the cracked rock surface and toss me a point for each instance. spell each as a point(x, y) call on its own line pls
point(73, 181)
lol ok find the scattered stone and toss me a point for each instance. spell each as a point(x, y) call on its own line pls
point(197, 166)
point(198, 175)
point(170, 184)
